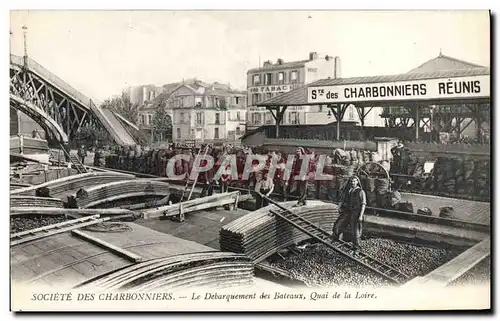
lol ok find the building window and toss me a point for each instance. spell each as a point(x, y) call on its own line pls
point(269, 96)
point(197, 101)
point(237, 130)
point(178, 133)
point(182, 118)
point(256, 80)
point(150, 119)
point(181, 101)
point(143, 119)
point(268, 80)
point(293, 117)
point(238, 117)
point(255, 98)
point(199, 118)
point(216, 133)
point(217, 118)
point(268, 118)
point(237, 100)
point(295, 76)
point(281, 78)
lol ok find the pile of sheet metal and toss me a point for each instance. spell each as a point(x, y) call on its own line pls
point(34, 201)
point(260, 234)
point(193, 270)
point(62, 187)
point(111, 192)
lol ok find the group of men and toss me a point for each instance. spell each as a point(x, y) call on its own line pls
point(154, 161)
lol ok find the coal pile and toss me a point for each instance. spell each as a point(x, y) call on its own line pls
point(323, 267)
point(25, 223)
point(480, 274)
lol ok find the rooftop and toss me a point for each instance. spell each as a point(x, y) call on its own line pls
point(443, 62)
point(281, 64)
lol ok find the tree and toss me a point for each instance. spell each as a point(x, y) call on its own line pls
point(123, 106)
point(88, 135)
point(162, 122)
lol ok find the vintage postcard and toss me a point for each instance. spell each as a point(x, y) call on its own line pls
point(250, 160)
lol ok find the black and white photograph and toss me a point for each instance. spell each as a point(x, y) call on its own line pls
point(269, 160)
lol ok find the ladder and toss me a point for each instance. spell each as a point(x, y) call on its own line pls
point(387, 272)
point(76, 162)
point(49, 230)
point(192, 182)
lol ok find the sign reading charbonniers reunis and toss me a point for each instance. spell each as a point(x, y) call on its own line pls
point(426, 89)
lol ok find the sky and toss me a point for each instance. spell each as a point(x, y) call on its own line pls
point(102, 52)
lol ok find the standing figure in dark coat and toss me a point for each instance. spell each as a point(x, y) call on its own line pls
point(351, 209)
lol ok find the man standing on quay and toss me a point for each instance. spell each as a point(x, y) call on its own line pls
point(351, 209)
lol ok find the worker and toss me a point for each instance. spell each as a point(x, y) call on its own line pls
point(82, 153)
point(396, 156)
point(351, 209)
point(301, 181)
point(266, 187)
point(208, 188)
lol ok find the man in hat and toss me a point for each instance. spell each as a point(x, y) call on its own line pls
point(396, 157)
point(265, 188)
point(351, 209)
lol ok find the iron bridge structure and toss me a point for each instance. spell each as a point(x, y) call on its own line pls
point(61, 110)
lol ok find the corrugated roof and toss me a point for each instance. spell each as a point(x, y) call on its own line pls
point(298, 97)
point(284, 65)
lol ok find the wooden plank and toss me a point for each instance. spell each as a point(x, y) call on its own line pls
point(115, 249)
point(58, 231)
point(193, 205)
point(53, 226)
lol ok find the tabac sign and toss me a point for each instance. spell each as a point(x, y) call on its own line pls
point(271, 89)
point(425, 89)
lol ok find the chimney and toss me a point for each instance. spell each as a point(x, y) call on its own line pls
point(267, 63)
point(313, 56)
point(338, 69)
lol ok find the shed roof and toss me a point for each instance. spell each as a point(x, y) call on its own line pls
point(298, 97)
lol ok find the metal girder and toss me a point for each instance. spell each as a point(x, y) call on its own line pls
point(42, 101)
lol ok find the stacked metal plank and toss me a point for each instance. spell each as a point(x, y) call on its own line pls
point(110, 192)
point(193, 270)
point(34, 201)
point(60, 187)
point(260, 234)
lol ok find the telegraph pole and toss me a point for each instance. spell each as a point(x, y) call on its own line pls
point(10, 45)
point(25, 31)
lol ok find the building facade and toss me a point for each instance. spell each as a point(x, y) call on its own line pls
point(208, 112)
point(273, 79)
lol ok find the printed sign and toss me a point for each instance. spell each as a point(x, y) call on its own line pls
point(271, 89)
point(445, 88)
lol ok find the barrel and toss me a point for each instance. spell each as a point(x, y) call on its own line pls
point(381, 185)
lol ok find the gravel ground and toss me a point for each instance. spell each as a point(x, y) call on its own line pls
point(321, 266)
point(479, 274)
point(19, 224)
